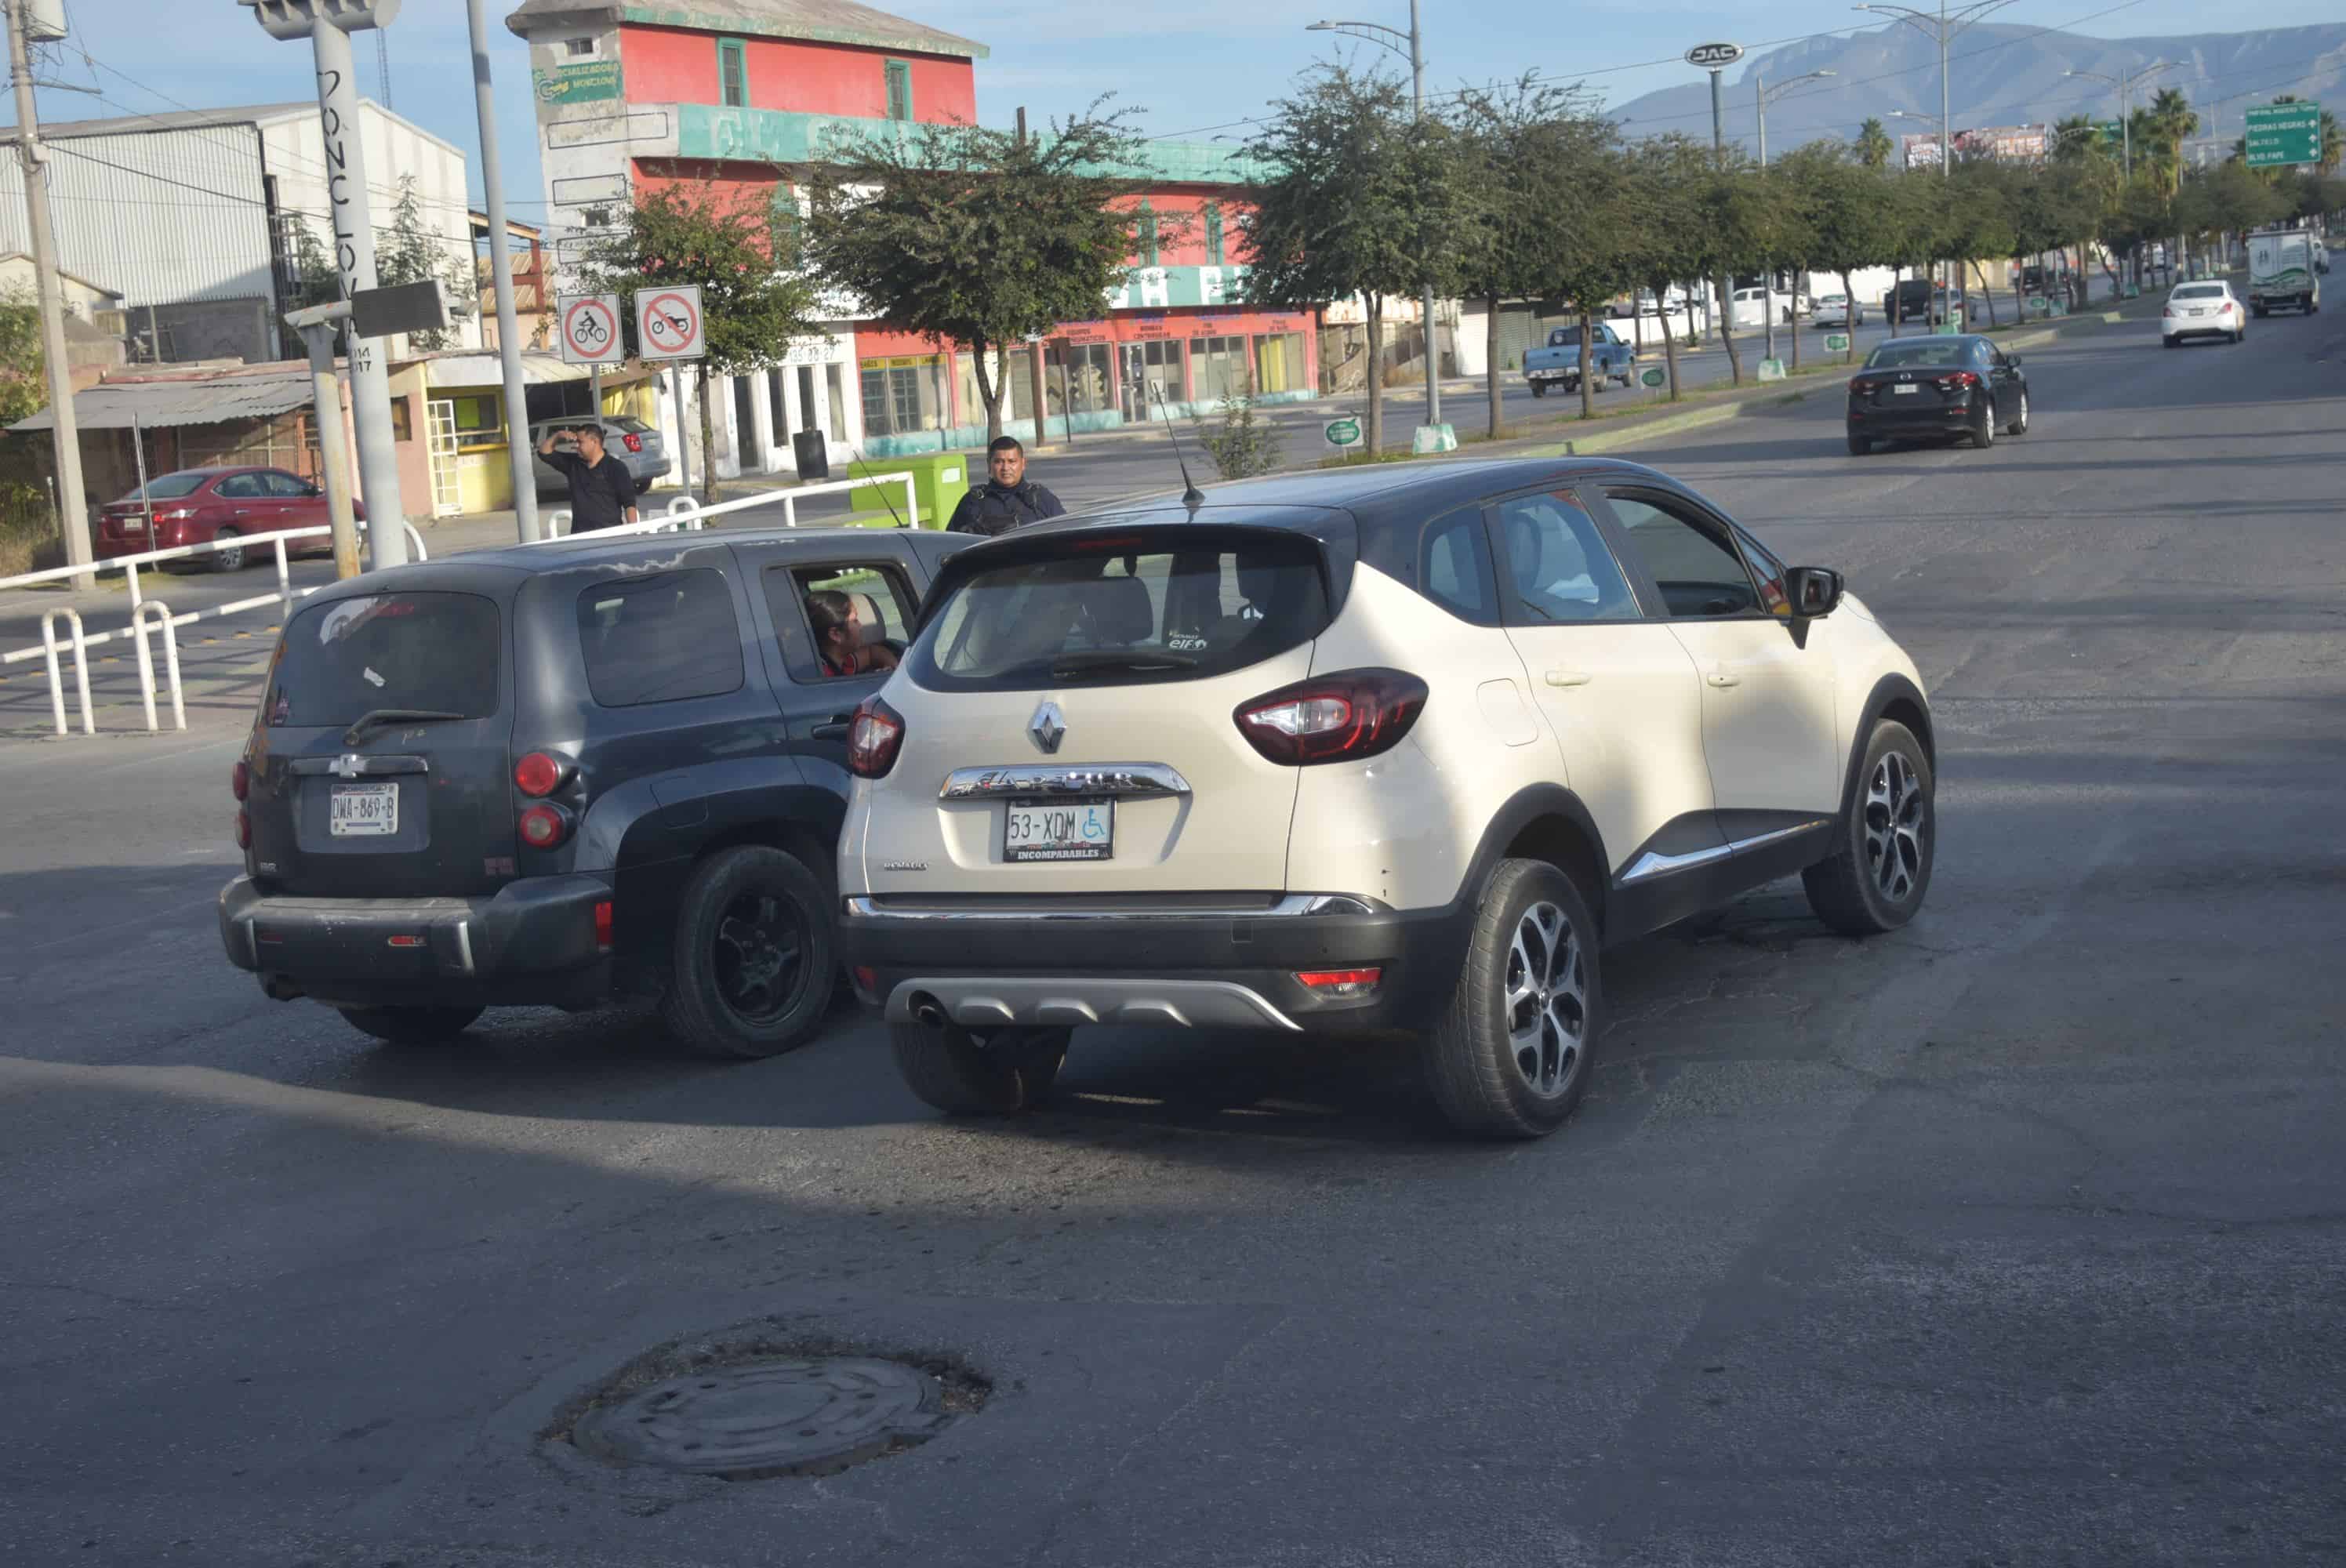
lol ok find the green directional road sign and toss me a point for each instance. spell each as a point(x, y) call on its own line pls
point(1836, 343)
point(1343, 433)
point(2284, 134)
point(2111, 133)
point(1654, 376)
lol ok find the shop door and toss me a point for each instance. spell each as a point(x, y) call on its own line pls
point(1152, 374)
point(447, 492)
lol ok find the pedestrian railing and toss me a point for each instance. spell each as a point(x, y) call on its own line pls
point(684, 513)
point(143, 625)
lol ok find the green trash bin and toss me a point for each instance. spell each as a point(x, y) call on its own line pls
point(939, 480)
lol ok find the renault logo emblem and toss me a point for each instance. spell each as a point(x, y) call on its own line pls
point(1048, 728)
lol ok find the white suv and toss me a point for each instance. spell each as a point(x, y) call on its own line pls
point(1399, 748)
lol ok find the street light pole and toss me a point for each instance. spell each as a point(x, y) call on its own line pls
point(1942, 26)
point(2125, 82)
point(1760, 94)
point(493, 189)
point(1415, 50)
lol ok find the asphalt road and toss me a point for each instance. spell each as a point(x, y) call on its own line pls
point(2016, 1237)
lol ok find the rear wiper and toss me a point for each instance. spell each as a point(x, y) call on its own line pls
point(383, 716)
point(1102, 659)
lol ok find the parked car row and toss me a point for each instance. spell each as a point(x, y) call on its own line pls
point(1404, 747)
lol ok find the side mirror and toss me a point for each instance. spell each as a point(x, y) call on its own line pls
point(1812, 591)
point(2012, 360)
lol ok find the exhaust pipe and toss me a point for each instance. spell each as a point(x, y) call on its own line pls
point(277, 988)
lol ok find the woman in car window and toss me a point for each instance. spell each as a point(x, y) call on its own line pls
point(847, 644)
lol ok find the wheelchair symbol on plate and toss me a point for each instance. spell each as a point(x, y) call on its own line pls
point(1094, 828)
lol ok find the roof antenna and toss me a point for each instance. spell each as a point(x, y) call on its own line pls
point(855, 457)
point(1191, 496)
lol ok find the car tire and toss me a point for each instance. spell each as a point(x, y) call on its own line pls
point(231, 557)
point(750, 968)
point(1885, 841)
point(969, 1072)
point(2019, 425)
point(1859, 446)
point(1539, 389)
point(2171, 343)
point(2241, 336)
point(1513, 1053)
point(412, 1025)
point(1983, 421)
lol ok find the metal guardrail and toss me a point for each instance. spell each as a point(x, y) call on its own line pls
point(685, 513)
point(142, 626)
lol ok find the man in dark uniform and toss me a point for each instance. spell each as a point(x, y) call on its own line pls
point(1007, 499)
point(602, 491)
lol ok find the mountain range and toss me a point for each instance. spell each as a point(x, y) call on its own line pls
point(1997, 76)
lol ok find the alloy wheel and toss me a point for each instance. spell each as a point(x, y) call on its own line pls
point(1546, 1000)
point(1895, 822)
point(759, 955)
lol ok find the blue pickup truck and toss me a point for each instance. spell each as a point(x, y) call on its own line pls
point(1558, 364)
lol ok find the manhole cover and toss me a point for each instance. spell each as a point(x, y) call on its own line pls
point(769, 1418)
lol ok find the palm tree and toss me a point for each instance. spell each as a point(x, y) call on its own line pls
point(1873, 144)
point(2172, 121)
point(2074, 138)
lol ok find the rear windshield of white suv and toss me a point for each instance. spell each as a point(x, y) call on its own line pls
point(435, 652)
point(1117, 612)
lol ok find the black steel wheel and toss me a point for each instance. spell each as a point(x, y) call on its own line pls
point(752, 965)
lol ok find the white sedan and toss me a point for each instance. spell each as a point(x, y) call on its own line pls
point(2206, 309)
point(1834, 311)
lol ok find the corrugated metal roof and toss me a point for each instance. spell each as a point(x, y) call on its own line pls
point(818, 21)
point(212, 400)
point(177, 119)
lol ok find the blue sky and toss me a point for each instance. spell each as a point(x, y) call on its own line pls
point(1195, 68)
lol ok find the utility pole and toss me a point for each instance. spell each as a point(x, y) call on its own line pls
point(492, 188)
point(328, 25)
point(1415, 40)
point(1033, 349)
point(318, 325)
point(73, 521)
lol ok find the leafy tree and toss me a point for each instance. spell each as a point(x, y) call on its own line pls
point(412, 252)
point(1512, 146)
point(315, 279)
point(1980, 221)
point(23, 367)
point(1346, 203)
point(752, 305)
point(1589, 253)
point(978, 237)
point(1241, 446)
point(1668, 177)
point(1873, 144)
point(1845, 211)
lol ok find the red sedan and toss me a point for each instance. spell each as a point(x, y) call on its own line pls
point(199, 506)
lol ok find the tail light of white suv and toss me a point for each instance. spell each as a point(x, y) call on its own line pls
point(1344, 717)
point(874, 736)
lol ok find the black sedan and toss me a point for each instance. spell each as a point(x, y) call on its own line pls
point(1936, 386)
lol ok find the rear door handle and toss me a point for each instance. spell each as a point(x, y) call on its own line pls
point(1568, 678)
point(835, 728)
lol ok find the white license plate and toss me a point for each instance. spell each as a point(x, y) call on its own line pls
point(361, 810)
point(1907, 390)
point(1058, 830)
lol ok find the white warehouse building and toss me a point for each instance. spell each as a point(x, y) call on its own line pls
point(196, 217)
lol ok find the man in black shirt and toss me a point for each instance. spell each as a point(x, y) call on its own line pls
point(1007, 499)
point(602, 491)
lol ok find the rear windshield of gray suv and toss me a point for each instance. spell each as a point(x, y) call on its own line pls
point(1113, 612)
point(341, 661)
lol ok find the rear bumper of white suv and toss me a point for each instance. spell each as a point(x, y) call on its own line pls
point(1204, 962)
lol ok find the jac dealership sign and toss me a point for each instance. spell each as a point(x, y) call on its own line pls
point(1714, 56)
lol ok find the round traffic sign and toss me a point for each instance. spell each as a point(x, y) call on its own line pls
point(590, 330)
point(672, 321)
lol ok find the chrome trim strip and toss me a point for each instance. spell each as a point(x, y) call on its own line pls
point(464, 943)
point(1122, 780)
point(863, 906)
point(1650, 864)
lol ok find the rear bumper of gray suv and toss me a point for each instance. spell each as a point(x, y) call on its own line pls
point(1195, 964)
point(531, 942)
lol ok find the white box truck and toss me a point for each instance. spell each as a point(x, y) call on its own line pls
point(2281, 272)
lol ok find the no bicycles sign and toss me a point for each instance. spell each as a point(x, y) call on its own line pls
point(669, 324)
point(590, 329)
